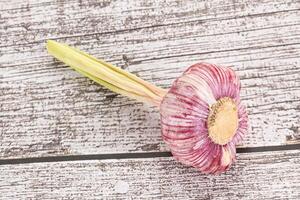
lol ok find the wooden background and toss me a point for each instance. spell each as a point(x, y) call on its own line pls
point(61, 134)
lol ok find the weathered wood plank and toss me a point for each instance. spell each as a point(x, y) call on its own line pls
point(46, 109)
point(26, 22)
point(218, 21)
point(82, 118)
point(255, 176)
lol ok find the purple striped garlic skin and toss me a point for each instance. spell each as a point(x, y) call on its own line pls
point(203, 119)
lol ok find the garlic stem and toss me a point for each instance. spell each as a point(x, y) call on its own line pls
point(111, 77)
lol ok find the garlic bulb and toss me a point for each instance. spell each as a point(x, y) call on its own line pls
point(202, 118)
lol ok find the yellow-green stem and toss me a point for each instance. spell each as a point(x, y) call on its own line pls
point(112, 77)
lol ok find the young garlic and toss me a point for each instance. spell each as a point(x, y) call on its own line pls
point(202, 118)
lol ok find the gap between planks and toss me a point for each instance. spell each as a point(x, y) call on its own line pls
point(132, 155)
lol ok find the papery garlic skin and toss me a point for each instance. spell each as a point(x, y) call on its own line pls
point(185, 111)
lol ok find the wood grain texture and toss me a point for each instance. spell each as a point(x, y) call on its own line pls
point(32, 21)
point(47, 109)
point(255, 176)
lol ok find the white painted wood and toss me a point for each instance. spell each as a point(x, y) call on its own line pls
point(255, 176)
point(28, 21)
point(47, 109)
